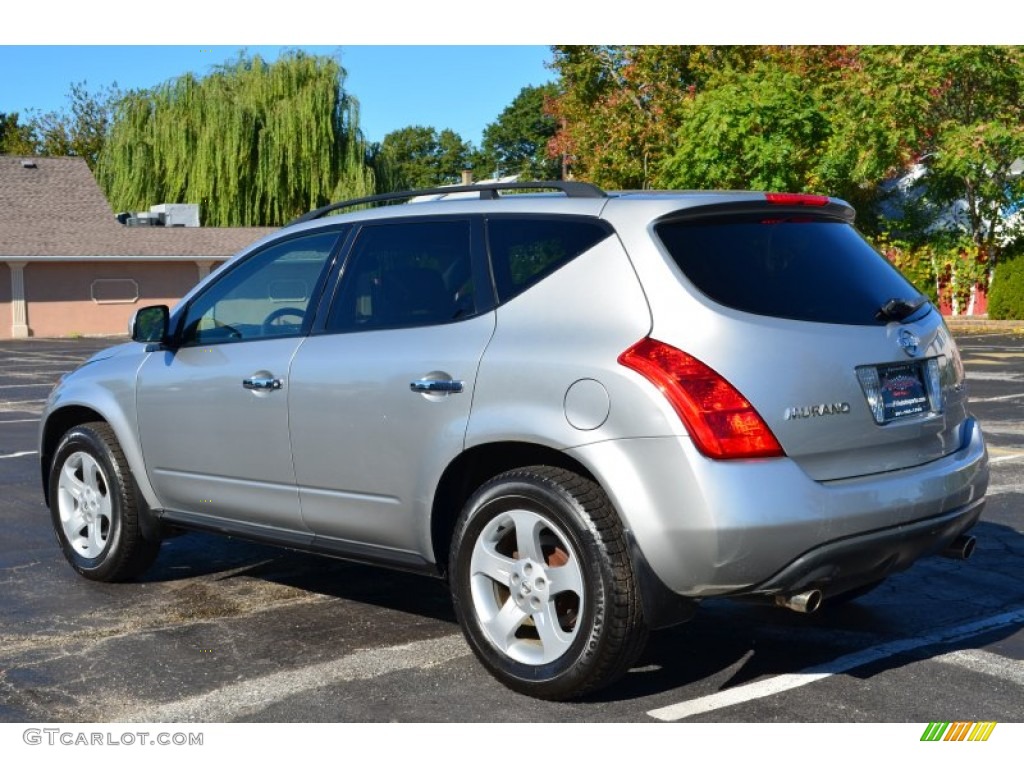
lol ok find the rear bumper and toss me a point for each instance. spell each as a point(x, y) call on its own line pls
point(708, 528)
point(848, 563)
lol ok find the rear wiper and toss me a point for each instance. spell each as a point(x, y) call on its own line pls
point(898, 309)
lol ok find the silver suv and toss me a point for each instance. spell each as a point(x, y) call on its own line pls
point(586, 411)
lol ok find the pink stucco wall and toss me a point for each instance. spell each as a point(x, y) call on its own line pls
point(92, 298)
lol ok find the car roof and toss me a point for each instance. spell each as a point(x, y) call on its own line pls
point(526, 198)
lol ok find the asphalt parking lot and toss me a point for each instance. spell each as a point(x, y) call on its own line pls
point(222, 630)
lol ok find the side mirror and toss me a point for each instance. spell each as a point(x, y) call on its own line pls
point(149, 324)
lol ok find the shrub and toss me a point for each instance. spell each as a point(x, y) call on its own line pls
point(1006, 296)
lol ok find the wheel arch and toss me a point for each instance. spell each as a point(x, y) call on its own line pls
point(471, 469)
point(57, 424)
point(71, 415)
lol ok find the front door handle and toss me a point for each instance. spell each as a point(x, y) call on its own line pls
point(261, 384)
point(437, 387)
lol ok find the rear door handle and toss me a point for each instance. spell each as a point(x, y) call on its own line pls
point(437, 387)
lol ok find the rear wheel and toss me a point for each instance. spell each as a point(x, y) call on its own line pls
point(94, 506)
point(543, 586)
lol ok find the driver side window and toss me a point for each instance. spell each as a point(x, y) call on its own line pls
point(266, 296)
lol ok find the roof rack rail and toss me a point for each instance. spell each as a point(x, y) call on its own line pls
point(488, 191)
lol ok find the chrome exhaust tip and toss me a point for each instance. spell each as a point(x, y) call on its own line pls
point(803, 602)
point(961, 548)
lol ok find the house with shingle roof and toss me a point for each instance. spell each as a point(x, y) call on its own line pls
point(68, 266)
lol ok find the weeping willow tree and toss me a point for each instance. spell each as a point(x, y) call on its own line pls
point(253, 143)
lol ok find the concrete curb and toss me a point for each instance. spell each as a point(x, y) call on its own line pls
point(981, 324)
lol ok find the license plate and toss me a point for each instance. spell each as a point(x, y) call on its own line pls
point(903, 390)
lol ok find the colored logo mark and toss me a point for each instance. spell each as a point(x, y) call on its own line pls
point(958, 731)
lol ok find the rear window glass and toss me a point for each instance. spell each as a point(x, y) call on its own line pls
point(815, 270)
point(525, 250)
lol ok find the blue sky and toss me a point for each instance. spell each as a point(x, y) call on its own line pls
point(459, 87)
point(452, 64)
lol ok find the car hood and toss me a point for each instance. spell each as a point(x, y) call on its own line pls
point(116, 351)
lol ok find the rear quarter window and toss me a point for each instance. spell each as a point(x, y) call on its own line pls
point(818, 270)
point(525, 250)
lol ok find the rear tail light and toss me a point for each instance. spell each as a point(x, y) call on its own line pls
point(792, 198)
point(952, 371)
point(933, 383)
point(721, 422)
point(872, 386)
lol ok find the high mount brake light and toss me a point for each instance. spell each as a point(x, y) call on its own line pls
point(792, 198)
point(790, 220)
point(721, 422)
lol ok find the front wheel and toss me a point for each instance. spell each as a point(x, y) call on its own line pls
point(94, 506)
point(543, 586)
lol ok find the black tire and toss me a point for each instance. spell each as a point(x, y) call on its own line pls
point(94, 506)
point(569, 526)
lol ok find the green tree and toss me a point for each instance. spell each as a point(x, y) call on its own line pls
point(956, 113)
point(454, 156)
point(826, 119)
point(385, 176)
point(418, 156)
point(15, 137)
point(975, 140)
point(253, 143)
point(619, 107)
point(517, 142)
point(761, 128)
point(81, 131)
point(844, 120)
point(874, 130)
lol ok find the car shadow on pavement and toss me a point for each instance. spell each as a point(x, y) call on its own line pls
point(732, 643)
point(728, 644)
point(204, 555)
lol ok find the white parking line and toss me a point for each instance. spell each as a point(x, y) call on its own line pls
point(996, 399)
point(50, 376)
point(782, 683)
point(16, 455)
point(986, 663)
point(43, 363)
point(16, 421)
point(28, 406)
point(967, 349)
point(1008, 488)
point(976, 375)
point(241, 700)
point(1001, 459)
